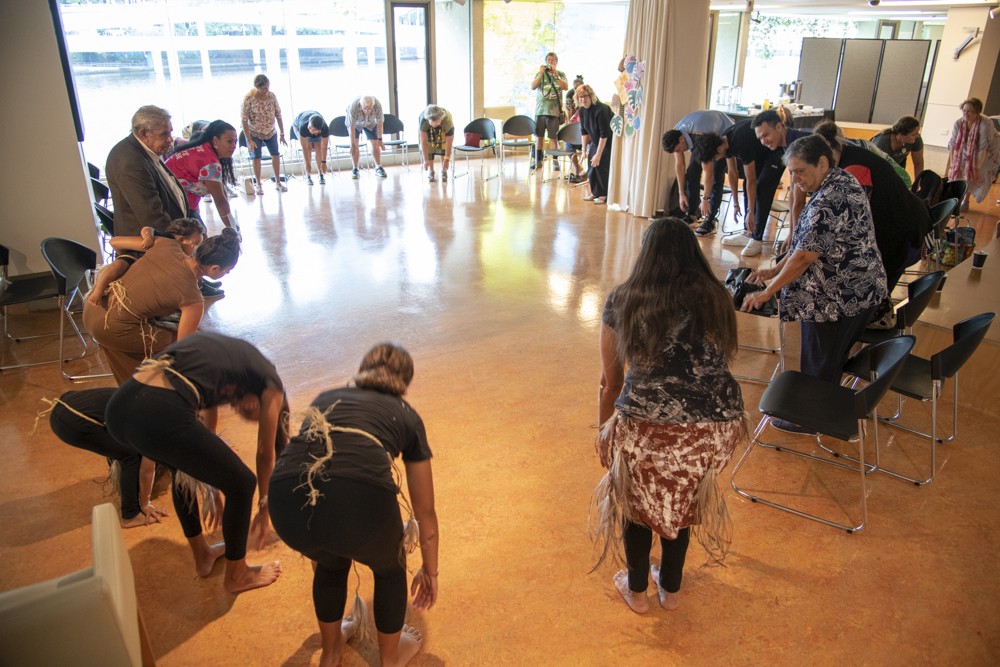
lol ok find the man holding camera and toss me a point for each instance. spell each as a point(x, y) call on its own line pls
point(549, 82)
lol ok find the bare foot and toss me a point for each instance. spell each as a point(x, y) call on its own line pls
point(241, 577)
point(410, 640)
point(136, 521)
point(668, 601)
point(637, 602)
point(205, 559)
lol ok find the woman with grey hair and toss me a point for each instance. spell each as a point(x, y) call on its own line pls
point(437, 132)
point(832, 278)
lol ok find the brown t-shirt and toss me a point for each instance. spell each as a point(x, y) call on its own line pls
point(156, 285)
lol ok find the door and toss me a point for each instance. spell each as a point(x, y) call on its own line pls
point(411, 76)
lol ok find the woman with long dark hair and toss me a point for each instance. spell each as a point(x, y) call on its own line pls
point(333, 498)
point(671, 413)
point(204, 165)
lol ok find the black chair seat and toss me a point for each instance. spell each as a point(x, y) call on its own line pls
point(471, 149)
point(813, 403)
point(29, 288)
point(914, 379)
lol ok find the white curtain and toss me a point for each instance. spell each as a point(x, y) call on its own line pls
point(672, 38)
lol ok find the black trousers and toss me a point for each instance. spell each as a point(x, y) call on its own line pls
point(352, 521)
point(692, 188)
point(83, 434)
point(600, 175)
point(825, 345)
point(638, 541)
point(164, 426)
point(768, 178)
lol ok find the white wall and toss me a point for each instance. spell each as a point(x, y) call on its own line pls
point(957, 80)
point(43, 177)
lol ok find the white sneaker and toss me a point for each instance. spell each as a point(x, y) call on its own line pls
point(736, 239)
point(752, 248)
point(280, 187)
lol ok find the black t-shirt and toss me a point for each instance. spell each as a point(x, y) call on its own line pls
point(388, 418)
point(744, 144)
point(221, 367)
point(302, 125)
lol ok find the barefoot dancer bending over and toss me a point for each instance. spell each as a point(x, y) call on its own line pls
point(156, 413)
point(333, 498)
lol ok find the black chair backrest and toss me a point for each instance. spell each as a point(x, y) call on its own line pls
point(485, 128)
point(967, 334)
point(919, 294)
point(954, 190)
point(242, 139)
point(100, 190)
point(885, 361)
point(941, 213)
point(519, 126)
point(338, 127)
point(106, 218)
point(95, 172)
point(571, 134)
point(391, 124)
point(69, 262)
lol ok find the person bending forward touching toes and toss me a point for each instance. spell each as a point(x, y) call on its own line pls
point(333, 498)
point(156, 412)
point(671, 413)
point(437, 132)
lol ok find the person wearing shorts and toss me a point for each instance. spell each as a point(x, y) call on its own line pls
point(365, 115)
point(549, 82)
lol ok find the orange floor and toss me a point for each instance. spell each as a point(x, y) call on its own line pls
point(497, 290)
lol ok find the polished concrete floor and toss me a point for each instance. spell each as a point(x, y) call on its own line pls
point(497, 290)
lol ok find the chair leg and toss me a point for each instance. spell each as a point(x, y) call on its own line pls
point(861, 468)
point(83, 341)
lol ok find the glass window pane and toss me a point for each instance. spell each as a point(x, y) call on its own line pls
point(409, 26)
point(198, 59)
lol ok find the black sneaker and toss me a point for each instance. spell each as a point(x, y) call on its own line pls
point(355, 174)
point(379, 171)
point(309, 180)
point(210, 292)
point(322, 180)
point(706, 228)
point(532, 166)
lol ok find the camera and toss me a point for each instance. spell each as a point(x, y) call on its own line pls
point(874, 3)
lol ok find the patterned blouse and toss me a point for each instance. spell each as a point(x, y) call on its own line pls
point(688, 383)
point(193, 167)
point(259, 113)
point(848, 277)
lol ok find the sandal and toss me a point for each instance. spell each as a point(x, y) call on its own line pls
point(260, 190)
point(600, 200)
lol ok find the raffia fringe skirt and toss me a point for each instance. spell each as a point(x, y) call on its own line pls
point(663, 476)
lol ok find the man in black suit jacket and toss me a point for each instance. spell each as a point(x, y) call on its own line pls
point(144, 192)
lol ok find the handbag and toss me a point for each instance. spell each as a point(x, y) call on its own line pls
point(737, 285)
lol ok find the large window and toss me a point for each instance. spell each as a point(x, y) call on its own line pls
point(588, 37)
point(198, 58)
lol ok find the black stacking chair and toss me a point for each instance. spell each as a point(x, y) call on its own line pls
point(487, 132)
point(22, 289)
point(521, 130)
point(393, 126)
point(830, 410)
point(101, 192)
point(69, 261)
point(569, 136)
point(923, 380)
point(919, 295)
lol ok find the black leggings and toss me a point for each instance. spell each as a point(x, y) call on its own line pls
point(638, 541)
point(163, 426)
point(352, 521)
point(78, 432)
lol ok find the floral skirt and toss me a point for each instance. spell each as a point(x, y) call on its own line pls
point(657, 472)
